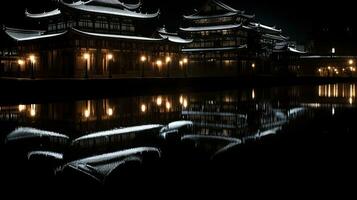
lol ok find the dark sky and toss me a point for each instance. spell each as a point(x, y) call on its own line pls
point(296, 18)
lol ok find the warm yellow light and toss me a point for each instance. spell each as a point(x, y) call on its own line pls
point(168, 59)
point(21, 62)
point(181, 100)
point(159, 101)
point(320, 70)
point(185, 61)
point(143, 108)
point(159, 63)
point(86, 56)
point(110, 56)
point(86, 113)
point(253, 65)
point(110, 112)
point(33, 112)
point(181, 63)
point(329, 68)
point(22, 108)
point(168, 105)
point(185, 103)
point(32, 59)
point(253, 94)
point(143, 58)
point(350, 100)
point(350, 62)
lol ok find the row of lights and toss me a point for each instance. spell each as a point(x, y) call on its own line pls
point(31, 58)
point(110, 112)
point(143, 58)
point(86, 56)
point(32, 110)
point(143, 108)
point(168, 105)
point(335, 70)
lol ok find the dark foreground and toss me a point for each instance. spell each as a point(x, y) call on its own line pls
point(311, 151)
point(298, 160)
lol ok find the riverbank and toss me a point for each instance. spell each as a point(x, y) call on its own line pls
point(59, 89)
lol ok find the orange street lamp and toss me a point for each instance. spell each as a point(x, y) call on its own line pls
point(32, 59)
point(143, 59)
point(110, 58)
point(350, 62)
point(159, 63)
point(86, 57)
point(168, 63)
point(184, 64)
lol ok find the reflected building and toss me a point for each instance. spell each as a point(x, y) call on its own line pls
point(228, 113)
point(233, 115)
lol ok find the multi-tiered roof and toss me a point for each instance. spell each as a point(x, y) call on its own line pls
point(108, 8)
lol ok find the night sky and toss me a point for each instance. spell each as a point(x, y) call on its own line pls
point(296, 18)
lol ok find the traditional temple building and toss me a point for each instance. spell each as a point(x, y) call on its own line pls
point(229, 40)
point(94, 38)
point(110, 38)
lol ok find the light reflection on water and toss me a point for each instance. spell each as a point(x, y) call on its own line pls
point(226, 113)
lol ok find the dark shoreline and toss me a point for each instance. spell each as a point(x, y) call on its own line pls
point(38, 90)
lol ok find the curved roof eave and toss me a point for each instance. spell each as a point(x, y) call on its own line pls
point(121, 37)
point(43, 15)
point(21, 35)
point(82, 6)
point(176, 39)
point(116, 3)
point(211, 28)
point(224, 6)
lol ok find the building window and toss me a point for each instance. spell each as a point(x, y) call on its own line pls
point(85, 23)
point(70, 24)
point(61, 26)
point(115, 26)
point(51, 27)
point(101, 25)
point(127, 28)
point(229, 43)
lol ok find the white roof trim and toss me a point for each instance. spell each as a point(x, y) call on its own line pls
point(222, 5)
point(116, 3)
point(295, 50)
point(55, 155)
point(118, 132)
point(114, 156)
point(195, 16)
point(124, 37)
point(211, 28)
point(176, 39)
point(215, 49)
point(25, 133)
point(258, 25)
point(26, 35)
point(80, 5)
point(44, 14)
